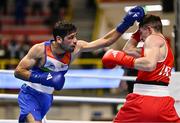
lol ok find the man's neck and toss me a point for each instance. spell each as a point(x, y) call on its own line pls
point(56, 49)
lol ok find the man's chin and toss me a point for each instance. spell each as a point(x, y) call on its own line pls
point(71, 50)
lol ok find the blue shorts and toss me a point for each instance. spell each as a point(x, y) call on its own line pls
point(34, 102)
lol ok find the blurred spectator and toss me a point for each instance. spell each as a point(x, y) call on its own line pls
point(3, 49)
point(24, 46)
point(3, 7)
point(91, 4)
point(129, 85)
point(0, 25)
point(57, 10)
point(13, 48)
point(20, 11)
point(87, 55)
point(63, 4)
point(99, 53)
point(37, 7)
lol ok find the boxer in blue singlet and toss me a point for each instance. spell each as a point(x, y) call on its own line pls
point(45, 64)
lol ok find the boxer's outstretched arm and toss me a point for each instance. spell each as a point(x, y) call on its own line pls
point(135, 14)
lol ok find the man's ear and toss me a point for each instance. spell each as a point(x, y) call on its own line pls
point(58, 39)
point(150, 29)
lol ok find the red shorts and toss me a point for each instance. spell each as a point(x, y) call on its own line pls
point(140, 108)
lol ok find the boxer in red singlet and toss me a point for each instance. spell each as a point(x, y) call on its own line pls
point(150, 100)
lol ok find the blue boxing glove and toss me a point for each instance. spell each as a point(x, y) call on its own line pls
point(52, 79)
point(134, 14)
point(139, 12)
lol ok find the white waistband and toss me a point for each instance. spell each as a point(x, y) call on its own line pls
point(41, 88)
point(151, 90)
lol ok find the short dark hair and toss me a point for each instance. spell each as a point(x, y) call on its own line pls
point(63, 28)
point(153, 21)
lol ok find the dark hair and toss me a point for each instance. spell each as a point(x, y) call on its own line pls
point(63, 28)
point(152, 21)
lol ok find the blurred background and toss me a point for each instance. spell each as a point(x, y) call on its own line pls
point(24, 23)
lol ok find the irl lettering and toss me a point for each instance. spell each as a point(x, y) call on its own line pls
point(166, 71)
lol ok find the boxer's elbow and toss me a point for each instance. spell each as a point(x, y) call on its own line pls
point(145, 65)
point(17, 72)
point(21, 74)
point(150, 67)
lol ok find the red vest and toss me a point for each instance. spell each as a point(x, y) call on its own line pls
point(162, 71)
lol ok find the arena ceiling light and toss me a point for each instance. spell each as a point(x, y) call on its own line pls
point(165, 22)
point(151, 8)
point(147, 8)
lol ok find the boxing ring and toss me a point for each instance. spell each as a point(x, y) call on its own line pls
point(109, 80)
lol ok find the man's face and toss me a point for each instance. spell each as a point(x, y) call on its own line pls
point(69, 42)
point(144, 32)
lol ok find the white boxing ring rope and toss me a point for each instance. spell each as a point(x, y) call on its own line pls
point(128, 78)
point(70, 99)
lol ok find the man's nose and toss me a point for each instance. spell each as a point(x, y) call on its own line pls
point(75, 41)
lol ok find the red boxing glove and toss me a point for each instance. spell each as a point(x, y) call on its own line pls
point(112, 58)
point(136, 35)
